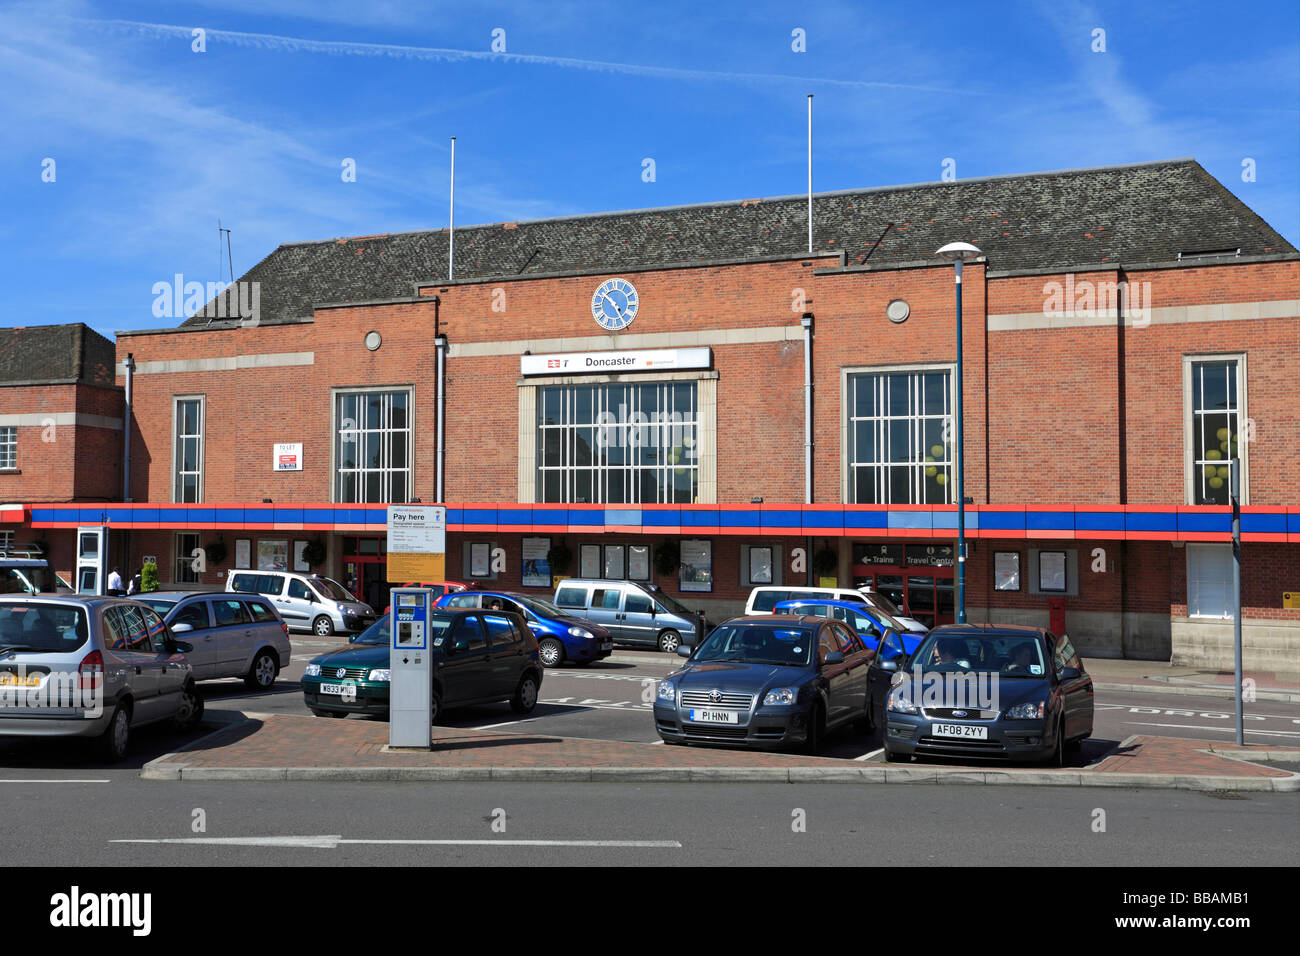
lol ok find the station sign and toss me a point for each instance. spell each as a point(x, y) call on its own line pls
point(596, 363)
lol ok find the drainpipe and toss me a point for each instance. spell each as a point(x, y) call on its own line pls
point(129, 365)
point(807, 323)
point(440, 342)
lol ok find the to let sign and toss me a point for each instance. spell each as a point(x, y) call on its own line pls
point(287, 457)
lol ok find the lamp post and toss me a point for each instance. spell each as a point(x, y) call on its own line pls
point(958, 253)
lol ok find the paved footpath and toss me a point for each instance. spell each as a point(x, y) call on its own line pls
point(279, 747)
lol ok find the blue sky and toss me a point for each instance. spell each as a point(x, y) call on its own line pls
point(153, 142)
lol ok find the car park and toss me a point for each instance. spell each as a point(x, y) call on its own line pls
point(766, 681)
point(1032, 697)
point(479, 657)
point(307, 602)
point(560, 636)
point(91, 667)
point(232, 634)
point(635, 614)
point(868, 623)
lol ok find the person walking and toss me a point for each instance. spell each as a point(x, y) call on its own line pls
point(115, 583)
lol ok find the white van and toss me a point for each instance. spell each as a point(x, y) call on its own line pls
point(763, 599)
point(307, 602)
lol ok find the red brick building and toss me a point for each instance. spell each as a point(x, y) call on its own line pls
point(1126, 332)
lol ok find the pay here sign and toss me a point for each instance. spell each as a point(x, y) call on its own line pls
point(417, 544)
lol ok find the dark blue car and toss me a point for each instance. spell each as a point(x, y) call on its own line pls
point(560, 636)
point(870, 623)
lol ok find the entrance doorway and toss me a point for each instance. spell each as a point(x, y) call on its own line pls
point(917, 578)
point(365, 569)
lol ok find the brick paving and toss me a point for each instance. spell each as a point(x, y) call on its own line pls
point(311, 742)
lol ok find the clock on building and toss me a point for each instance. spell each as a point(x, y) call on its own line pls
point(615, 304)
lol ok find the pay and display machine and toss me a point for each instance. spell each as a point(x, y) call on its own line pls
point(410, 658)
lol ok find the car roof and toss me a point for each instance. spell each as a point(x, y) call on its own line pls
point(990, 630)
point(806, 620)
point(827, 602)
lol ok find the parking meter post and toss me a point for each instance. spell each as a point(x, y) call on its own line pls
point(1235, 470)
point(410, 662)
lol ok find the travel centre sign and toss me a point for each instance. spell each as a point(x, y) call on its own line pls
point(417, 544)
point(592, 363)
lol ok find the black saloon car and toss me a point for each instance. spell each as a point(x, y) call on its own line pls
point(985, 690)
point(766, 681)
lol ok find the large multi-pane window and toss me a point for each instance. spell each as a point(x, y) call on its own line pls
point(187, 460)
point(372, 446)
point(900, 447)
point(621, 443)
point(8, 447)
point(1216, 427)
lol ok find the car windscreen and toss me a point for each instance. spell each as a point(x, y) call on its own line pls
point(158, 604)
point(758, 644)
point(541, 608)
point(675, 607)
point(376, 633)
point(878, 600)
point(31, 579)
point(1006, 655)
point(43, 628)
point(332, 589)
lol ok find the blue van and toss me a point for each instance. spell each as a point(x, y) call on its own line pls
point(560, 636)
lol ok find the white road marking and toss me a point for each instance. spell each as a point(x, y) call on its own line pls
point(51, 780)
point(870, 755)
point(333, 842)
point(1219, 727)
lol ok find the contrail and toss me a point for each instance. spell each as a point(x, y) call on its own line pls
point(282, 44)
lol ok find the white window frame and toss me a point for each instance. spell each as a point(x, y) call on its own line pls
point(336, 473)
point(915, 422)
point(1190, 465)
point(181, 566)
point(1222, 551)
point(177, 474)
point(8, 447)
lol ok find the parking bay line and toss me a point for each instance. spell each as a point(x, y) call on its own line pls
point(1229, 730)
point(868, 756)
point(334, 841)
point(51, 780)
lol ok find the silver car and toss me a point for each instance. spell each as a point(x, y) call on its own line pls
point(92, 667)
point(307, 602)
point(233, 634)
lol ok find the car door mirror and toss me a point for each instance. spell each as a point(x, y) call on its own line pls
point(458, 646)
point(890, 665)
point(834, 657)
point(685, 650)
point(182, 628)
point(1070, 673)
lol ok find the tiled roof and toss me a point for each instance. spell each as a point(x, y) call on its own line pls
point(49, 354)
point(1148, 212)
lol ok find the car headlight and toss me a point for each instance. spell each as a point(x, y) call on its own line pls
point(900, 702)
point(667, 691)
point(1030, 711)
point(380, 674)
point(780, 695)
point(313, 670)
point(581, 632)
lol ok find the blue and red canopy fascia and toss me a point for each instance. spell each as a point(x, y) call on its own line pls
point(1084, 522)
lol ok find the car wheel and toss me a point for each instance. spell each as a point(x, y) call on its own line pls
point(669, 641)
point(435, 706)
point(190, 711)
point(1074, 746)
point(525, 698)
point(551, 652)
point(322, 626)
point(262, 674)
point(116, 736)
point(816, 730)
point(1057, 757)
point(892, 756)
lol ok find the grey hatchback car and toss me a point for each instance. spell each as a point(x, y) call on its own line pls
point(233, 634)
point(90, 667)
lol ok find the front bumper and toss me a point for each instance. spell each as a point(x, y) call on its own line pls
point(764, 728)
point(588, 650)
point(371, 698)
point(912, 735)
point(357, 622)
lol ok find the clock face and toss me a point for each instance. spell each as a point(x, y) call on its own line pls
point(615, 304)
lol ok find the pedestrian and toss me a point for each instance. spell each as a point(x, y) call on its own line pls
point(134, 586)
point(115, 583)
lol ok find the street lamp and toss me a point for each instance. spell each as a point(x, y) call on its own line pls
point(957, 253)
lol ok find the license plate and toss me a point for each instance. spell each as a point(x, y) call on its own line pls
point(607, 646)
point(715, 716)
point(968, 731)
point(339, 689)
